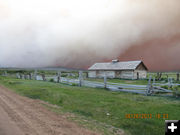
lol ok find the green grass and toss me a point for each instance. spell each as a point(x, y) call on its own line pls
point(94, 104)
point(136, 82)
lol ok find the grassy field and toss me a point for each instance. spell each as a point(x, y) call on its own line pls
point(164, 79)
point(94, 104)
point(136, 82)
point(74, 74)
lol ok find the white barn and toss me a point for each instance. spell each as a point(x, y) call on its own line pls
point(116, 69)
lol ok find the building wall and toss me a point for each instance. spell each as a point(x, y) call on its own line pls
point(92, 74)
point(100, 74)
point(118, 74)
point(142, 71)
point(141, 67)
point(142, 74)
point(109, 74)
point(129, 74)
point(125, 74)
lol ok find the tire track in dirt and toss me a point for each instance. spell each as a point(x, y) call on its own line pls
point(16, 118)
point(34, 119)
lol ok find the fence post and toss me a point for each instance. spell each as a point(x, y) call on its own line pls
point(154, 80)
point(20, 75)
point(58, 77)
point(35, 75)
point(24, 76)
point(30, 76)
point(80, 78)
point(170, 81)
point(86, 74)
point(105, 82)
point(43, 77)
point(149, 87)
point(17, 75)
point(5, 73)
point(177, 79)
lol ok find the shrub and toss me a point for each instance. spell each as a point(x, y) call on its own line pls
point(74, 84)
point(60, 101)
point(13, 82)
point(51, 80)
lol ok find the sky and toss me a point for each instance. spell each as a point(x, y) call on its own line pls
point(78, 33)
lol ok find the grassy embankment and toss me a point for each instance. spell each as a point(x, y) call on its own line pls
point(94, 104)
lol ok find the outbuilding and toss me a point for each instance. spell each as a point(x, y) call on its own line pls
point(116, 69)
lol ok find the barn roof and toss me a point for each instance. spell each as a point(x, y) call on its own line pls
point(125, 65)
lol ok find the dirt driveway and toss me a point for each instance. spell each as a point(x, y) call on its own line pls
point(23, 116)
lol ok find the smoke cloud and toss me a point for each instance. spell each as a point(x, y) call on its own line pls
point(77, 33)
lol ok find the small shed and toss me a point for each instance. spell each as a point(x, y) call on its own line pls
point(116, 69)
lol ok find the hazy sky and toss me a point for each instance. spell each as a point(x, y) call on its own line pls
point(77, 33)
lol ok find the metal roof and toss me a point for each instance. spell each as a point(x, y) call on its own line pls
point(125, 65)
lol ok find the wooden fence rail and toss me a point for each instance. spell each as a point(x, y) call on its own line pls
point(151, 88)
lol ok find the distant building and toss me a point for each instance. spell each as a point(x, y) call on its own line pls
point(116, 69)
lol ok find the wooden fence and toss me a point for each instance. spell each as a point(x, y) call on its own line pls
point(151, 88)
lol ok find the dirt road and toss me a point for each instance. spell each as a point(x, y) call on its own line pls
point(23, 116)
